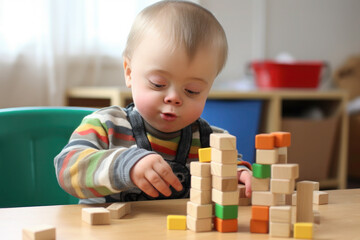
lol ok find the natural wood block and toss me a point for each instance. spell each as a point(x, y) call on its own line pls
point(223, 170)
point(320, 197)
point(226, 212)
point(280, 214)
point(316, 217)
point(261, 170)
point(293, 197)
point(304, 202)
point(288, 199)
point(119, 209)
point(200, 196)
point(176, 222)
point(200, 169)
point(226, 225)
point(283, 156)
point(282, 139)
point(242, 190)
point(204, 154)
point(303, 230)
point(257, 226)
point(223, 141)
point(285, 171)
point(265, 156)
point(39, 232)
point(224, 156)
point(244, 201)
point(263, 198)
point(260, 184)
point(316, 185)
point(225, 198)
point(260, 213)
point(279, 229)
point(199, 224)
point(285, 186)
point(96, 216)
point(201, 183)
point(199, 210)
point(264, 141)
point(225, 184)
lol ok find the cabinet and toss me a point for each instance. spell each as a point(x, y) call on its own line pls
point(273, 116)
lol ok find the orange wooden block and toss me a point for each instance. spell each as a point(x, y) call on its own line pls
point(257, 226)
point(226, 225)
point(260, 213)
point(282, 139)
point(265, 141)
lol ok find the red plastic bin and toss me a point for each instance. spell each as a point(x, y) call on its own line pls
point(272, 74)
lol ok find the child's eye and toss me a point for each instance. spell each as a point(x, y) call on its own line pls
point(156, 85)
point(192, 92)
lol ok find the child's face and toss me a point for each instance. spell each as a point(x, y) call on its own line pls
point(168, 89)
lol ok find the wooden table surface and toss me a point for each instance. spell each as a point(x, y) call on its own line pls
point(340, 219)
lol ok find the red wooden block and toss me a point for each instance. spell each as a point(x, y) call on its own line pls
point(225, 225)
point(260, 213)
point(282, 139)
point(257, 226)
point(264, 141)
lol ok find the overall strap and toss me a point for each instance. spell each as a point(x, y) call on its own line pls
point(205, 131)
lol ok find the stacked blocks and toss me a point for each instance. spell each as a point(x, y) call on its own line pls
point(225, 192)
point(199, 208)
point(272, 179)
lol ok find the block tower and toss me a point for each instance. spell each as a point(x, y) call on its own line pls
point(225, 193)
point(272, 180)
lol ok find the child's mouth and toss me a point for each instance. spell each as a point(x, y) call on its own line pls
point(168, 116)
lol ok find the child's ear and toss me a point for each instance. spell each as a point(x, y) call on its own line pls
point(127, 72)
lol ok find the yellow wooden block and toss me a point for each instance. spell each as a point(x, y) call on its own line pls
point(39, 232)
point(176, 222)
point(303, 230)
point(204, 154)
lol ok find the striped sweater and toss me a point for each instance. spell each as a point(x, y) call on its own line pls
point(98, 158)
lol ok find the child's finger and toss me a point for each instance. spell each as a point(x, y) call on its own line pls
point(158, 183)
point(147, 188)
point(166, 173)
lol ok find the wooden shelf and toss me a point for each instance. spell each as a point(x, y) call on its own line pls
point(273, 101)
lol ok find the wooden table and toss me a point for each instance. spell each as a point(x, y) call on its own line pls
point(340, 219)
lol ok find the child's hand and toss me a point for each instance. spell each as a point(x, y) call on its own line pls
point(245, 178)
point(152, 174)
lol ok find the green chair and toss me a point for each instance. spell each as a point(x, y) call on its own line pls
point(30, 138)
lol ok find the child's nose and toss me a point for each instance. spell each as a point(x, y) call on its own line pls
point(173, 98)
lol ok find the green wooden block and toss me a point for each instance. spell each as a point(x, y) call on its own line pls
point(226, 212)
point(261, 170)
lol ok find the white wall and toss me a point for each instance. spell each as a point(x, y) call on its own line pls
point(308, 29)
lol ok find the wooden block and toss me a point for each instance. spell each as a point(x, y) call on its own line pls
point(285, 171)
point(204, 154)
point(285, 186)
point(280, 214)
point(96, 216)
point(282, 155)
point(260, 213)
point(224, 156)
point(264, 141)
point(260, 184)
point(199, 210)
point(264, 156)
point(242, 190)
point(176, 222)
point(303, 230)
point(225, 184)
point(316, 217)
point(262, 198)
point(199, 225)
point(223, 170)
point(119, 209)
point(282, 139)
point(288, 199)
point(257, 226)
point(304, 202)
point(39, 232)
point(200, 169)
point(279, 229)
point(320, 197)
point(226, 212)
point(261, 170)
point(201, 183)
point(226, 225)
point(293, 197)
point(200, 196)
point(223, 141)
point(225, 198)
point(244, 201)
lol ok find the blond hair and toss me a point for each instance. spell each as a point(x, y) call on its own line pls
point(186, 24)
